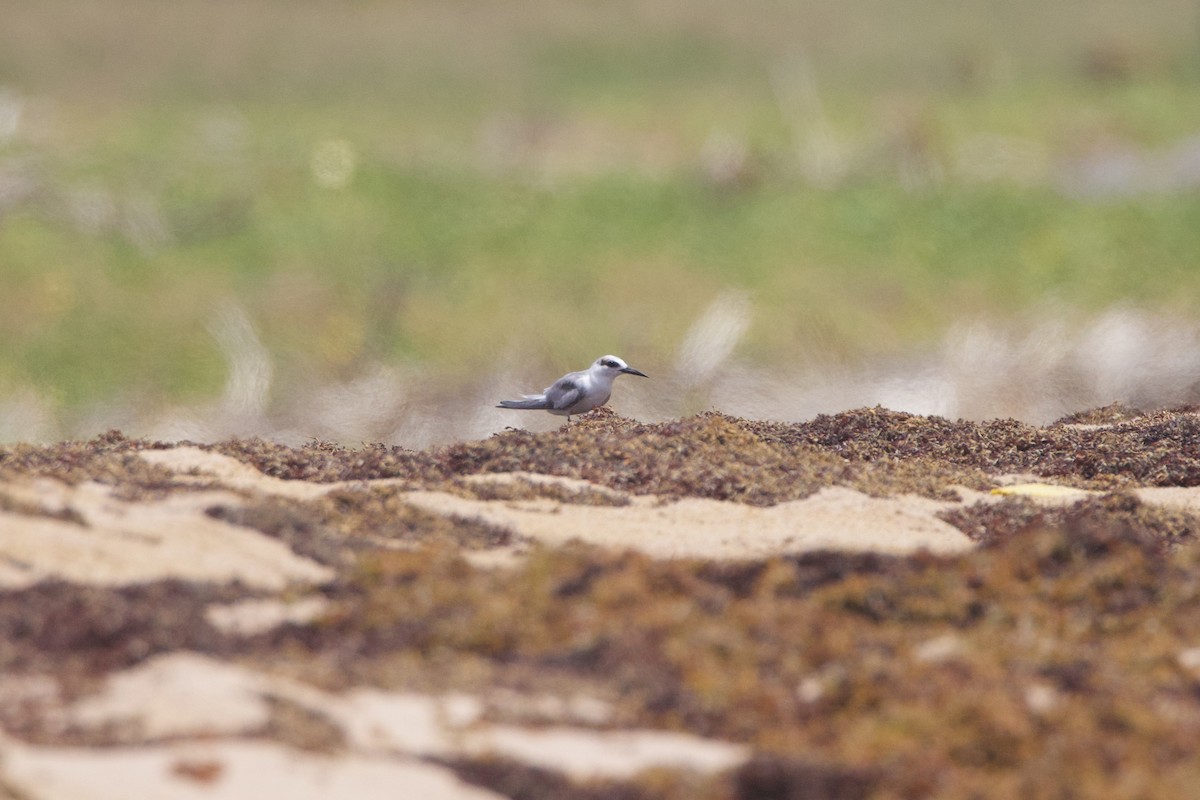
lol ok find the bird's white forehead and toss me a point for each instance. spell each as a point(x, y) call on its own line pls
point(620, 361)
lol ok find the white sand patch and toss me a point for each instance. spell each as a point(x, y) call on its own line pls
point(1045, 493)
point(178, 694)
point(1189, 659)
point(248, 617)
point(206, 466)
point(375, 721)
point(584, 754)
point(576, 707)
point(191, 695)
point(1180, 498)
point(939, 649)
point(125, 542)
point(834, 518)
point(231, 770)
point(187, 694)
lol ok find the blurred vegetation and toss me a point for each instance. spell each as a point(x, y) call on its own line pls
point(453, 186)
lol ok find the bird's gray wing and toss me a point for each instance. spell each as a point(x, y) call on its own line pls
point(563, 394)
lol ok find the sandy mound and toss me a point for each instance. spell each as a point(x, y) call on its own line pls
point(832, 519)
point(106, 540)
point(920, 607)
point(84, 533)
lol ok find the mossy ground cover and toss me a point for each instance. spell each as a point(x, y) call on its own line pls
point(1056, 659)
point(709, 455)
point(1049, 663)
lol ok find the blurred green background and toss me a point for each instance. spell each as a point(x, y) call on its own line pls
point(285, 214)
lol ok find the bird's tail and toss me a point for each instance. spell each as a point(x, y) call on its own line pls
point(534, 401)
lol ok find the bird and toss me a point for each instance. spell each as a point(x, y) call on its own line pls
point(577, 392)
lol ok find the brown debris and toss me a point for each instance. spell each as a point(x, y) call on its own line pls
point(720, 457)
point(780, 778)
point(61, 627)
point(110, 458)
point(710, 455)
point(1119, 515)
point(1058, 659)
point(523, 488)
point(201, 771)
point(1105, 415)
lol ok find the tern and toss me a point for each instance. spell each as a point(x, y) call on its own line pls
point(577, 392)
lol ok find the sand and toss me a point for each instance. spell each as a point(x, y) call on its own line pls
point(185, 724)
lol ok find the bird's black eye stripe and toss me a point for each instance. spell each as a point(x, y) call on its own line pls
point(609, 363)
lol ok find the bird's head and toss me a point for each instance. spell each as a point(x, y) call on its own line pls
point(611, 365)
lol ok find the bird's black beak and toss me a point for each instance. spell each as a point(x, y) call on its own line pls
point(632, 371)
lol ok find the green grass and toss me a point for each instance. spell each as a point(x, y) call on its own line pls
point(540, 170)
